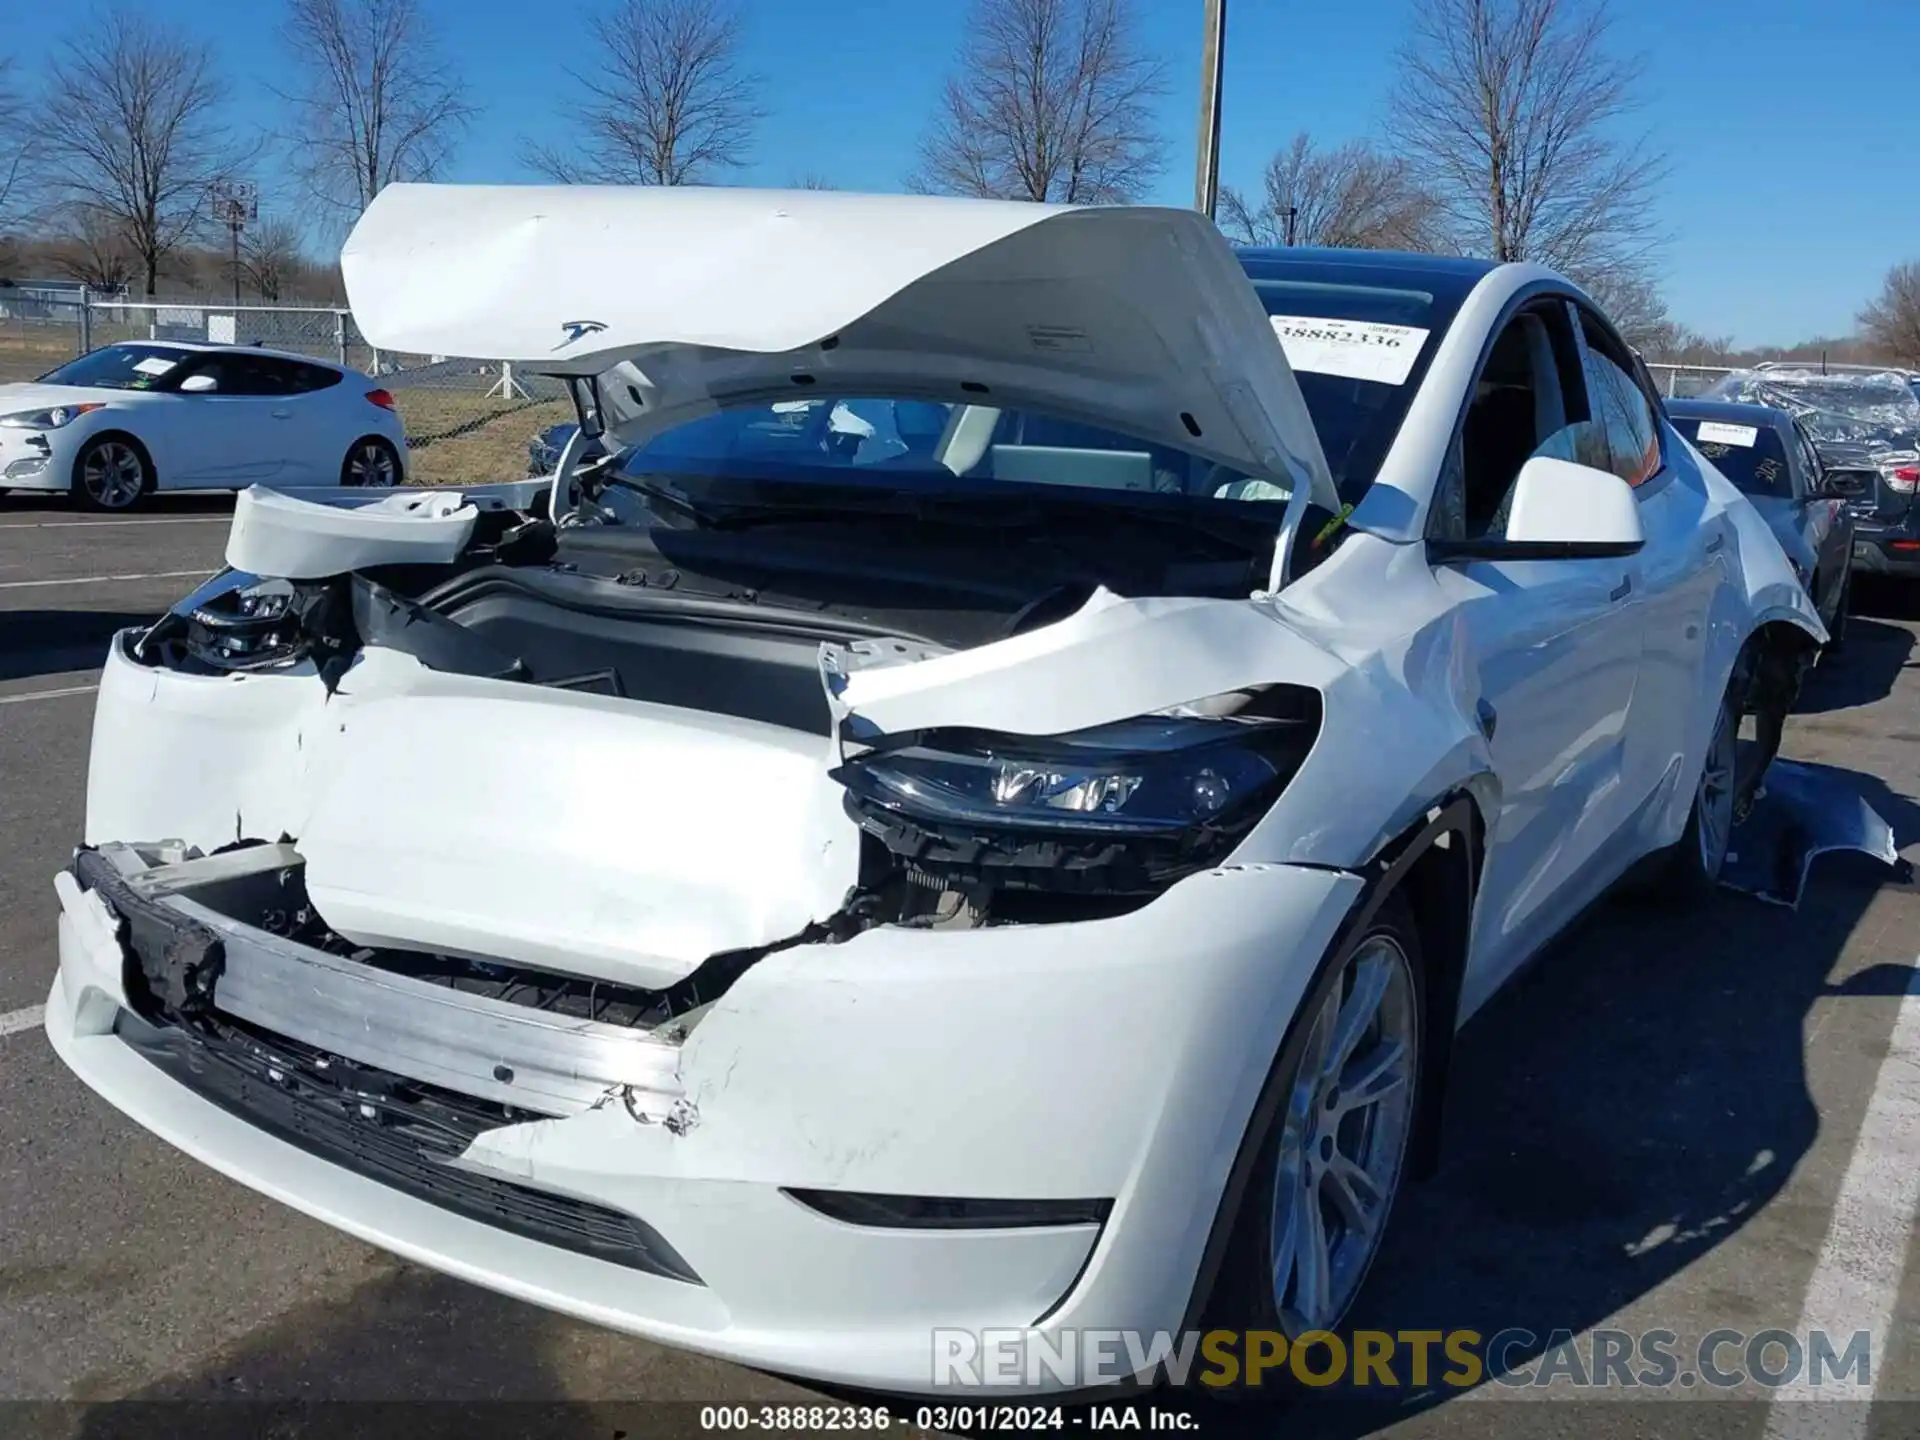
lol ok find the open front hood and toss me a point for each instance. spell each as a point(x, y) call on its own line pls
point(1138, 319)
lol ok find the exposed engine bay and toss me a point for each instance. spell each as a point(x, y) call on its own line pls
point(760, 627)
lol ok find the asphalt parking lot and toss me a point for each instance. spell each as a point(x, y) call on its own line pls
point(1678, 1120)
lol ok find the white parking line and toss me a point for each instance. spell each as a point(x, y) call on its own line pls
point(102, 579)
point(1856, 1283)
point(48, 694)
point(101, 524)
point(30, 1018)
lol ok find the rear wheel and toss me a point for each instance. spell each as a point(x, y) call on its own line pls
point(1331, 1155)
point(1696, 862)
point(371, 462)
point(1837, 626)
point(111, 473)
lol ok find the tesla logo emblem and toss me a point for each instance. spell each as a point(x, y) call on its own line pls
point(576, 329)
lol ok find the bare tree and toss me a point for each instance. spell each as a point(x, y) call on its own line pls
point(16, 142)
point(1351, 196)
point(91, 246)
point(1892, 320)
point(1511, 112)
point(814, 180)
point(374, 103)
point(272, 256)
point(129, 130)
point(1632, 300)
point(666, 102)
point(1050, 100)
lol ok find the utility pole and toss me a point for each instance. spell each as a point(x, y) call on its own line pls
point(236, 204)
point(1293, 214)
point(1206, 183)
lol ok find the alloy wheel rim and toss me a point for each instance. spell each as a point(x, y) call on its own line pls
point(371, 465)
point(1343, 1138)
point(113, 475)
point(1715, 798)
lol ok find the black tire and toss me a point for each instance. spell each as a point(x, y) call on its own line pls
point(371, 461)
point(1837, 628)
point(1245, 1296)
point(1692, 869)
point(112, 474)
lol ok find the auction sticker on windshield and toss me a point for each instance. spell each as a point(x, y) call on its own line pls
point(1712, 432)
point(1353, 349)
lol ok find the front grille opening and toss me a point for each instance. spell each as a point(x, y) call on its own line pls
point(397, 1132)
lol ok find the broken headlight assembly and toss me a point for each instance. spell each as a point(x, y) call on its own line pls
point(1121, 809)
point(234, 623)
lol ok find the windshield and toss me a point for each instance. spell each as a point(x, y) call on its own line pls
point(773, 453)
point(1870, 409)
point(1359, 336)
point(117, 367)
point(1751, 456)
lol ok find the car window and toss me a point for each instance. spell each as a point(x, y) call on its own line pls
point(119, 367)
point(1528, 400)
point(304, 379)
point(237, 373)
point(1751, 456)
point(1620, 407)
point(1810, 465)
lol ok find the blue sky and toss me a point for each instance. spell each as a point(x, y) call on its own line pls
point(1795, 152)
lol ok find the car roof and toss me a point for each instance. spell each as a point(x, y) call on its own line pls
point(1730, 412)
point(1448, 278)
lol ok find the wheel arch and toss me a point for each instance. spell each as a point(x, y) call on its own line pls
point(1435, 865)
point(375, 437)
point(116, 432)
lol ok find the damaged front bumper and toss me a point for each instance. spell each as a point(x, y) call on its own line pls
point(853, 1145)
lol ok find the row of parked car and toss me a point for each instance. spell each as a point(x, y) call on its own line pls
point(1830, 455)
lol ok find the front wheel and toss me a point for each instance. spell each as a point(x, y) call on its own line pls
point(371, 462)
point(110, 473)
point(1340, 1108)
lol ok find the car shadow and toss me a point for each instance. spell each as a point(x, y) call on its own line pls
point(1886, 596)
point(56, 642)
point(1624, 1107)
point(416, 1355)
point(1874, 656)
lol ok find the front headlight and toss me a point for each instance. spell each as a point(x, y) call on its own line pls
point(1126, 807)
point(51, 419)
point(234, 622)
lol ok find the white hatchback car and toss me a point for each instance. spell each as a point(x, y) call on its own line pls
point(125, 420)
point(1017, 864)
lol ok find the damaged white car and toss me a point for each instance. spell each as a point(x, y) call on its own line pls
point(1016, 861)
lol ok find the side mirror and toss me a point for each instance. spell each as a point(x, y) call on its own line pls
point(1560, 510)
point(198, 385)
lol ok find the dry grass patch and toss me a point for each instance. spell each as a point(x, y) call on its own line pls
point(29, 354)
point(472, 439)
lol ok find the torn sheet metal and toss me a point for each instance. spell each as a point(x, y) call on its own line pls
point(1804, 812)
point(289, 539)
point(1111, 659)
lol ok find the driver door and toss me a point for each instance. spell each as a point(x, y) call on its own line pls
point(230, 436)
point(1550, 651)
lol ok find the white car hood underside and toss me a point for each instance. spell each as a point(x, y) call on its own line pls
point(1135, 318)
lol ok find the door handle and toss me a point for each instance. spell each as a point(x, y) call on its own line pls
point(1623, 589)
point(283, 414)
point(1714, 545)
